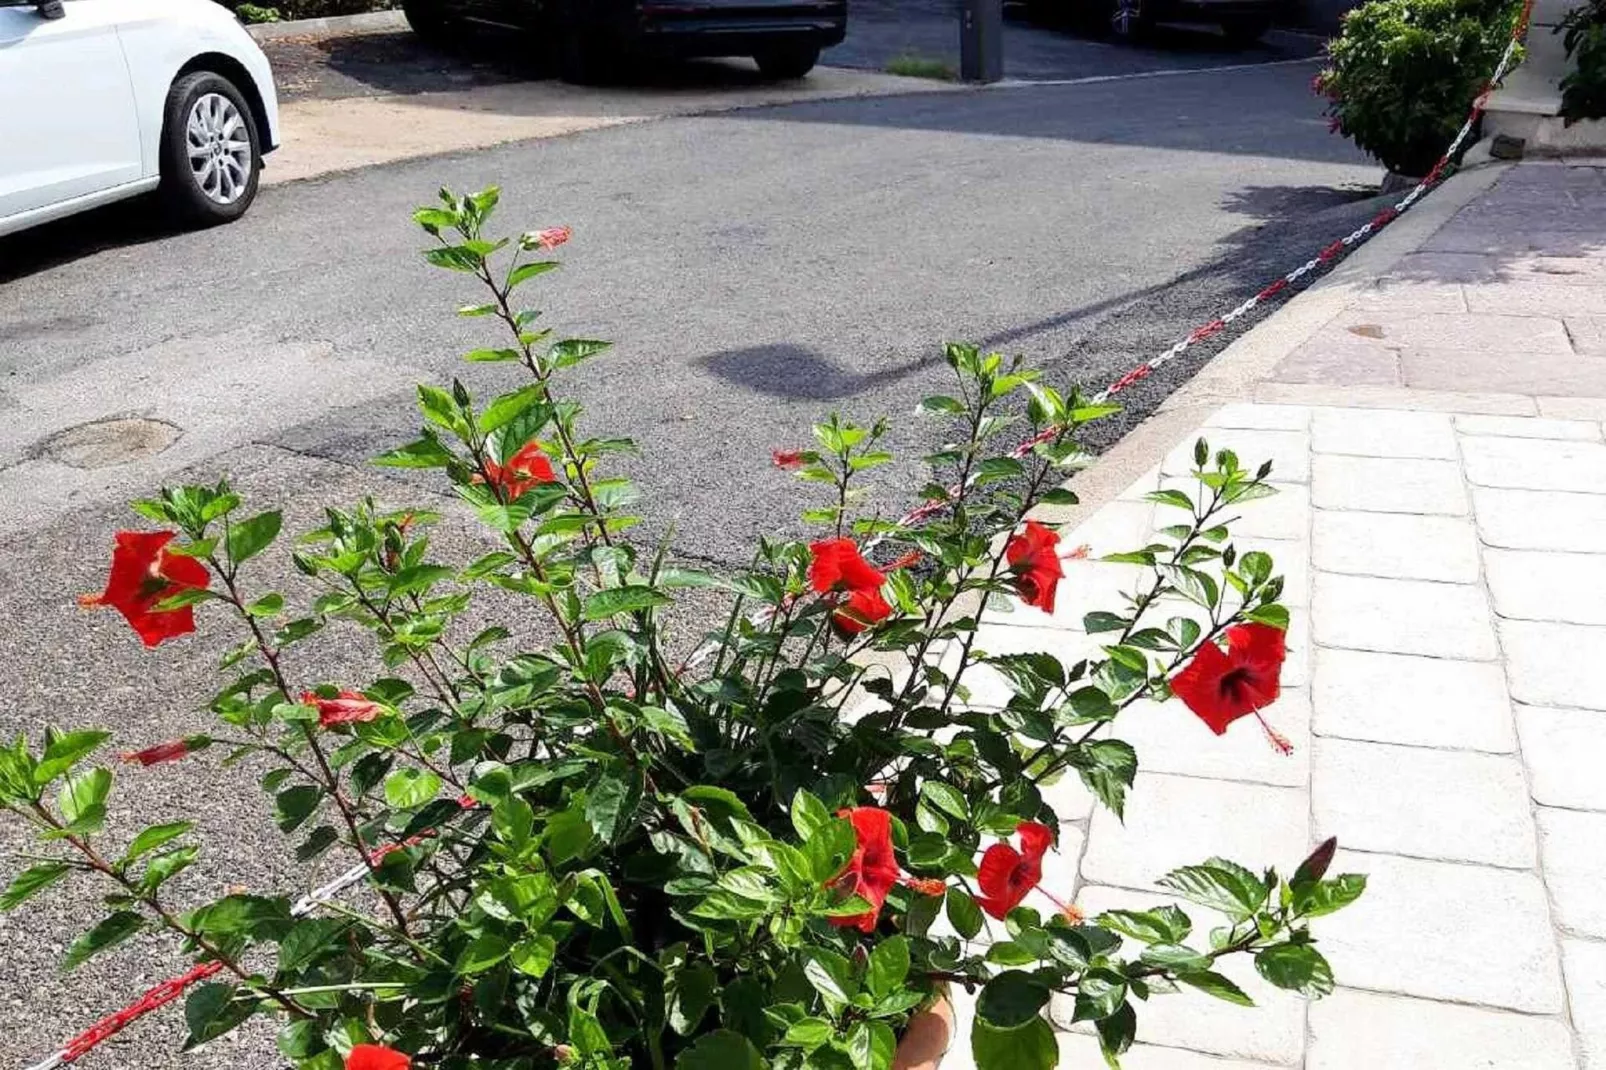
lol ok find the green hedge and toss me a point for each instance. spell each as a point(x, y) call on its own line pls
point(303, 9)
point(1583, 91)
point(1402, 74)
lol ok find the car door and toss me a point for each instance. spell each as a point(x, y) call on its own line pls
point(67, 122)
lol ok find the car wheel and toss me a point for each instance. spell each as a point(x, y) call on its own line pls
point(1128, 19)
point(792, 61)
point(211, 156)
point(428, 20)
point(1241, 33)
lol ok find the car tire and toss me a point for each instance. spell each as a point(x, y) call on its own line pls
point(211, 153)
point(1244, 32)
point(788, 62)
point(429, 20)
point(1127, 20)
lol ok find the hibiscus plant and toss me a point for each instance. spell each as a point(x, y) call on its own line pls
point(600, 833)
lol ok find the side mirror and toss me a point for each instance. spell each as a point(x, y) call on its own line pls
point(50, 9)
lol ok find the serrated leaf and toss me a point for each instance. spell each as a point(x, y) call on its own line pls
point(111, 931)
point(1296, 967)
point(31, 881)
point(247, 538)
point(615, 600)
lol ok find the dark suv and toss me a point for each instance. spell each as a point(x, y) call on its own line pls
point(593, 37)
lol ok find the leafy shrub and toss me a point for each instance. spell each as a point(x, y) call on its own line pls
point(305, 9)
point(251, 13)
point(590, 841)
point(1402, 74)
point(1583, 89)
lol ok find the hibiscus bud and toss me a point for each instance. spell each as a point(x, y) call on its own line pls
point(549, 238)
point(170, 751)
point(790, 460)
point(1315, 867)
point(1073, 913)
point(563, 1054)
point(926, 885)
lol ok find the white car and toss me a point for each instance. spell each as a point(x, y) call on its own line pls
point(106, 99)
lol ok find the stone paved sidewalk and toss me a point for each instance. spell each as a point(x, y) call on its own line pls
point(1444, 544)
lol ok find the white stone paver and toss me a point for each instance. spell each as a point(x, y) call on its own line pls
point(1460, 806)
point(1396, 545)
point(1422, 702)
point(1565, 588)
point(1586, 994)
point(1555, 664)
point(1288, 452)
point(1528, 427)
point(1353, 1030)
point(1383, 433)
point(1536, 464)
point(1541, 520)
point(1565, 751)
point(1441, 620)
point(1445, 693)
point(1387, 485)
point(1174, 821)
point(1573, 845)
point(1443, 930)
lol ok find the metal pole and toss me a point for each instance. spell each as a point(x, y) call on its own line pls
point(981, 40)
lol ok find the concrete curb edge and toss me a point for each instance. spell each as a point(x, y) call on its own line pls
point(370, 22)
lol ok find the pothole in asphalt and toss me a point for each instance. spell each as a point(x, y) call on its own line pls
point(105, 443)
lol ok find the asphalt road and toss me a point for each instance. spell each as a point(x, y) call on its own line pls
point(757, 269)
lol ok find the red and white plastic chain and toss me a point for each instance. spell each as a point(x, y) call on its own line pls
point(170, 990)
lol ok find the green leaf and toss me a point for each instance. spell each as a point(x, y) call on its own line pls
point(831, 975)
point(292, 806)
point(112, 930)
point(528, 271)
point(1216, 985)
point(211, 1010)
point(163, 867)
point(82, 799)
point(808, 814)
point(889, 965)
point(723, 1049)
point(1100, 621)
point(615, 600)
point(1013, 998)
point(809, 1033)
point(945, 798)
point(309, 940)
point(1297, 967)
point(1116, 1034)
point(1175, 957)
point(872, 1045)
point(533, 955)
point(407, 788)
point(1220, 885)
point(1149, 927)
point(571, 351)
point(1029, 1047)
point(247, 538)
point(963, 913)
point(486, 951)
point(503, 409)
point(427, 452)
point(65, 751)
point(1324, 897)
point(31, 881)
point(489, 356)
point(692, 990)
point(611, 805)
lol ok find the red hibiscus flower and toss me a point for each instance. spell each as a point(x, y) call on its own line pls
point(839, 567)
point(1035, 559)
point(1222, 686)
point(171, 751)
point(790, 460)
point(527, 468)
point(549, 239)
point(345, 708)
point(376, 1057)
point(873, 869)
point(143, 574)
point(1006, 875)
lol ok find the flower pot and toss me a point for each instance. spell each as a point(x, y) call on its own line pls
point(927, 1037)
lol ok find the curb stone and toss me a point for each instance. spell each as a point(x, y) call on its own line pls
point(371, 22)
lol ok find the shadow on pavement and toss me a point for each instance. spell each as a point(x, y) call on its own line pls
point(121, 225)
point(798, 373)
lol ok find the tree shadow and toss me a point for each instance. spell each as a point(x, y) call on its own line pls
point(797, 373)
